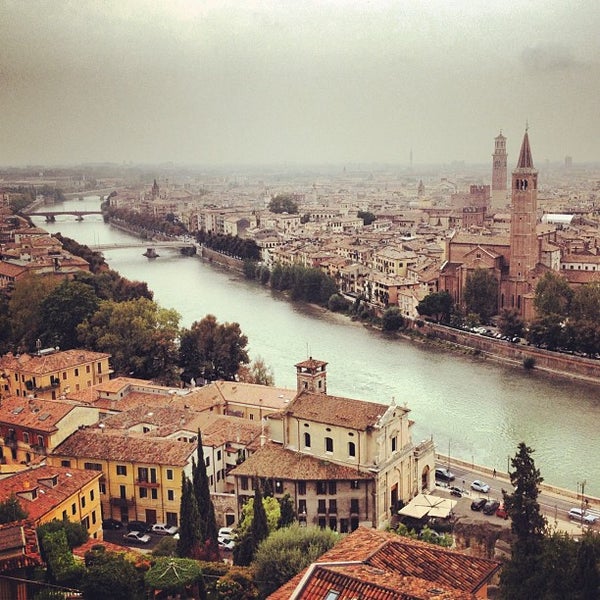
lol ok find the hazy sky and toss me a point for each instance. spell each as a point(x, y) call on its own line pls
point(297, 81)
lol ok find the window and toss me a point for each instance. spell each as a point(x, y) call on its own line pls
point(351, 449)
point(332, 595)
point(92, 466)
point(82, 501)
point(354, 505)
point(154, 494)
point(76, 372)
point(99, 367)
point(328, 444)
point(103, 488)
point(218, 455)
point(93, 517)
point(142, 474)
point(302, 507)
point(394, 443)
point(26, 437)
point(321, 507)
point(307, 440)
point(333, 506)
point(170, 474)
point(121, 470)
point(244, 483)
point(73, 509)
point(152, 475)
point(64, 375)
point(87, 368)
point(355, 484)
point(86, 522)
point(171, 495)
point(278, 486)
point(321, 487)
point(332, 488)
point(91, 495)
point(143, 492)
point(207, 461)
point(302, 488)
point(64, 515)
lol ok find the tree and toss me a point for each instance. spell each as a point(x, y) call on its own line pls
point(11, 510)
point(522, 575)
point(260, 528)
point(175, 576)
point(552, 295)
point(24, 309)
point(206, 510)
point(283, 203)
point(392, 319)
point(110, 576)
point(62, 568)
point(258, 373)
point(585, 303)
point(63, 309)
point(367, 217)
point(510, 322)
point(138, 334)
point(481, 293)
point(212, 350)
point(287, 513)
point(437, 305)
point(190, 533)
point(287, 551)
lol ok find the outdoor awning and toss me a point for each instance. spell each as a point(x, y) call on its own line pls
point(432, 506)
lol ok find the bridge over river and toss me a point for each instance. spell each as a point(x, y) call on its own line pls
point(143, 244)
point(50, 215)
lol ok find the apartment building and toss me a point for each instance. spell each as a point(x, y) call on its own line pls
point(52, 373)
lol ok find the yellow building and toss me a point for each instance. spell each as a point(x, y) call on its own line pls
point(51, 373)
point(140, 477)
point(51, 492)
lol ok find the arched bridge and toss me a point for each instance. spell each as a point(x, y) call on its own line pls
point(142, 244)
point(51, 214)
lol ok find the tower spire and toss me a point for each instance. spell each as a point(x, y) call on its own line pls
point(525, 158)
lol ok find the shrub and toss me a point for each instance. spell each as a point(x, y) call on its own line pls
point(529, 363)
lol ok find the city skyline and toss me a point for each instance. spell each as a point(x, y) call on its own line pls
point(257, 83)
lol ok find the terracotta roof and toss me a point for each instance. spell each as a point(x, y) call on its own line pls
point(382, 565)
point(334, 410)
point(34, 413)
point(50, 363)
point(273, 461)
point(48, 494)
point(251, 394)
point(118, 446)
point(310, 363)
point(18, 546)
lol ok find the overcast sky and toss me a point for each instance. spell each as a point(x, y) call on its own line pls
point(297, 81)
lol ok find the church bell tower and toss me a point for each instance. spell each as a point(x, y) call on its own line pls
point(311, 376)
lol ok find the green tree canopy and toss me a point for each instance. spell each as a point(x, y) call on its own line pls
point(174, 575)
point(392, 319)
point(11, 510)
point(212, 350)
point(481, 294)
point(585, 303)
point(437, 305)
point(62, 310)
point(552, 295)
point(510, 322)
point(138, 334)
point(367, 217)
point(287, 551)
point(283, 203)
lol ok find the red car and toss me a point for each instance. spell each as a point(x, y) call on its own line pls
point(501, 512)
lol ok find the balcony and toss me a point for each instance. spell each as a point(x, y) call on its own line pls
point(122, 502)
point(146, 483)
point(39, 449)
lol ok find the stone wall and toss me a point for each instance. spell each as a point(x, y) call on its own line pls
point(554, 362)
point(227, 261)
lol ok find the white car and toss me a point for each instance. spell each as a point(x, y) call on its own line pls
point(480, 486)
point(226, 544)
point(164, 529)
point(137, 537)
point(580, 515)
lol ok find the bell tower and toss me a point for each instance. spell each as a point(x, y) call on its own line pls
point(311, 376)
point(499, 173)
point(524, 248)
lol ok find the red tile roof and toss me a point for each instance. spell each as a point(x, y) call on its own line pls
point(50, 363)
point(34, 413)
point(334, 410)
point(377, 565)
point(273, 461)
point(47, 495)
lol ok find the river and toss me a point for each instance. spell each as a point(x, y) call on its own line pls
point(475, 409)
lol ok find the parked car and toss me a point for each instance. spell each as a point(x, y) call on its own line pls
point(490, 507)
point(478, 504)
point(138, 526)
point(112, 524)
point(137, 537)
point(480, 486)
point(455, 491)
point(501, 512)
point(442, 474)
point(582, 516)
point(225, 533)
point(226, 544)
point(164, 529)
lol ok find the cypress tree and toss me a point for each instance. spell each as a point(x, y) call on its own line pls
point(260, 527)
point(189, 530)
point(206, 509)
